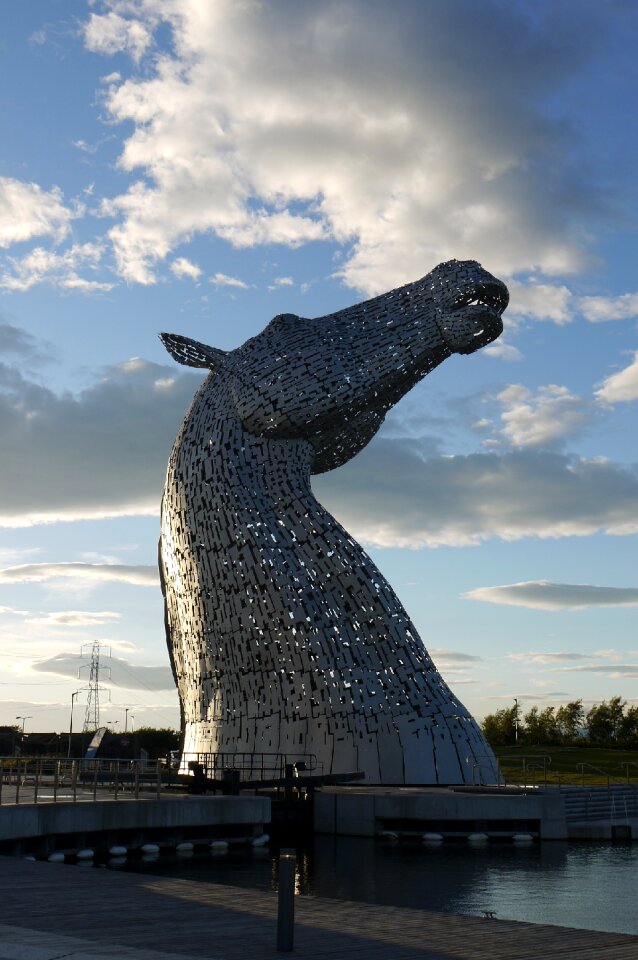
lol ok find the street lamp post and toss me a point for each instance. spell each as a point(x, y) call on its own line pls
point(24, 720)
point(126, 710)
point(516, 721)
point(132, 724)
point(73, 696)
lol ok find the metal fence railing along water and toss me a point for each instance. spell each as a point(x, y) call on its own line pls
point(52, 780)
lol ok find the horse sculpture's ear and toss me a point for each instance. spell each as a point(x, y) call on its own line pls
point(192, 353)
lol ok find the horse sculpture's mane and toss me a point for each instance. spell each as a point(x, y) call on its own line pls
point(284, 636)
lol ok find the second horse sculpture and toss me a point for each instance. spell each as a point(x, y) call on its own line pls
point(284, 636)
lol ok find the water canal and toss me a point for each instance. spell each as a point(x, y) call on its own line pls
point(585, 885)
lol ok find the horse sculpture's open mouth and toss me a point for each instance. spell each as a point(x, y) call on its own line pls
point(474, 320)
point(494, 296)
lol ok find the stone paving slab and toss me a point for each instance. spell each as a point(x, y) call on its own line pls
point(103, 914)
point(21, 943)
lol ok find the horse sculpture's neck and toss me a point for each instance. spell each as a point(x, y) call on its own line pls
point(299, 613)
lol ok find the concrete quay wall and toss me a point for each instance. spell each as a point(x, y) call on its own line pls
point(124, 820)
point(368, 812)
point(620, 829)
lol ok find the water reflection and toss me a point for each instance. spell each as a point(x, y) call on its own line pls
point(588, 885)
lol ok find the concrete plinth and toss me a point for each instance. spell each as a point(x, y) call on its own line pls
point(367, 812)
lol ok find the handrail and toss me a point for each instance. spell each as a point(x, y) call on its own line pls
point(478, 762)
point(530, 761)
point(262, 766)
point(580, 768)
point(627, 764)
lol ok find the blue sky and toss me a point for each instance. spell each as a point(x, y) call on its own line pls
point(201, 167)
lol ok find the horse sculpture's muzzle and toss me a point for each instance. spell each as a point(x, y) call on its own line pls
point(474, 319)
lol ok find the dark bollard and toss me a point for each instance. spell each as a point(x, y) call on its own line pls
point(286, 907)
point(289, 772)
point(230, 782)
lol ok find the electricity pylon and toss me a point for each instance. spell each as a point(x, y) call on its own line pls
point(92, 712)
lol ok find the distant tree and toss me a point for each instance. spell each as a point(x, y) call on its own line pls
point(533, 726)
point(500, 727)
point(605, 721)
point(628, 730)
point(9, 738)
point(541, 726)
point(157, 741)
point(569, 720)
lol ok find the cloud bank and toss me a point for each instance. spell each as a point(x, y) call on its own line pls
point(139, 576)
point(99, 454)
point(544, 595)
point(391, 496)
point(103, 453)
point(122, 673)
point(74, 618)
point(410, 138)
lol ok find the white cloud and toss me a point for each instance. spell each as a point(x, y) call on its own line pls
point(502, 350)
point(412, 138)
point(141, 576)
point(601, 309)
point(547, 657)
point(610, 654)
point(279, 282)
point(84, 146)
point(544, 595)
point(390, 496)
point(58, 269)
point(222, 280)
point(616, 671)
point(74, 618)
point(547, 418)
point(182, 267)
point(26, 211)
point(540, 301)
point(452, 656)
point(121, 673)
point(111, 33)
point(621, 387)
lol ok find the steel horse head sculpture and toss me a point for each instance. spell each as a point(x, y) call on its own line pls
point(284, 636)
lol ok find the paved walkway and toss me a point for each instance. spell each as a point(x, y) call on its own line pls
point(52, 911)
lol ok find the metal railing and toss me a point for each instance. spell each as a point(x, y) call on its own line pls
point(598, 772)
point(534, 768)
point(250, 766)
point(625, 765)
point(52, 780)
point(486, 762)
point(598, 798)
